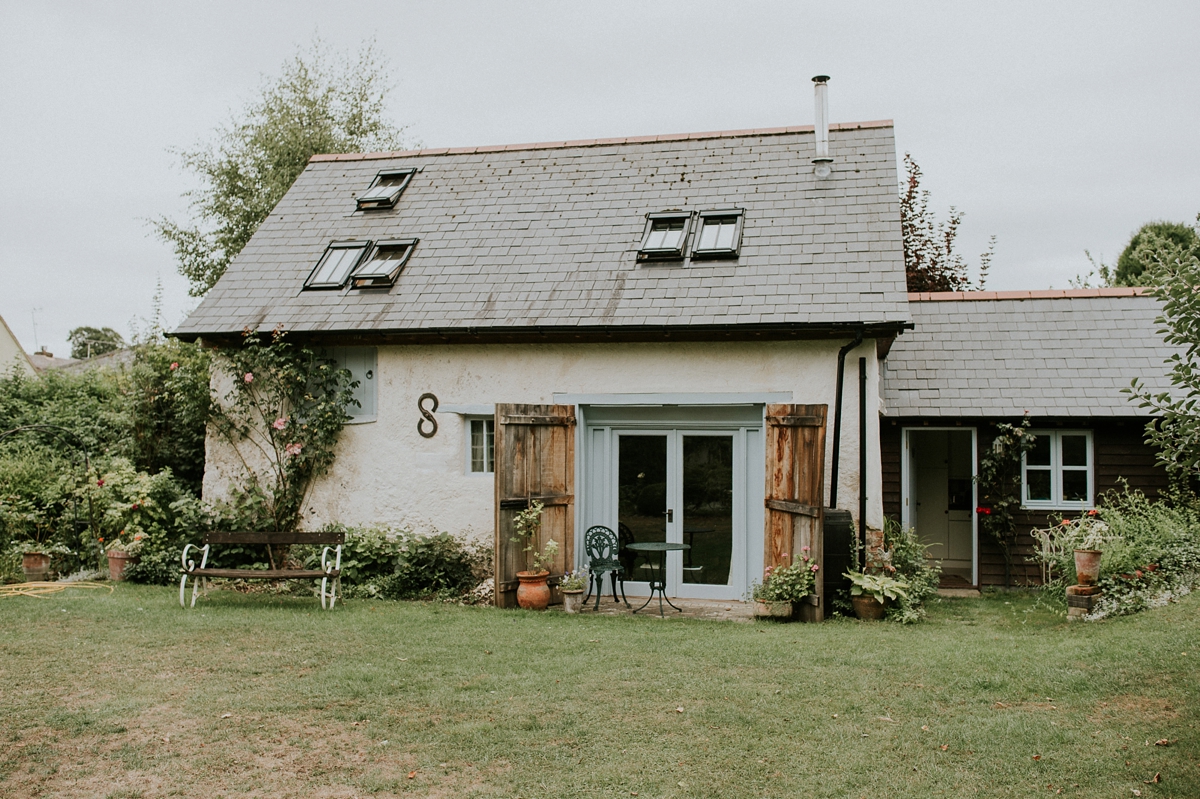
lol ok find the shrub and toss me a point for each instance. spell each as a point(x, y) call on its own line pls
point(907, 557)
point(1151, 552)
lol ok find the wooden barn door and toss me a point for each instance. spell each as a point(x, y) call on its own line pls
point(535, 460)
point(796, 489)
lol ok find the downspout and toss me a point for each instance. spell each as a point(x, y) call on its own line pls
point(837, 416)
point(862, 456)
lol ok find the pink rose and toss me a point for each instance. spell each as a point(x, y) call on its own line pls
point(174, 366)
point(249, 377)
point(815, 567)
point(803, 549)
point(293, 449)
point(279, 424)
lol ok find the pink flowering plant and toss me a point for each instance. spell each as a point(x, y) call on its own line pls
point(283, 413)
point(790, 583)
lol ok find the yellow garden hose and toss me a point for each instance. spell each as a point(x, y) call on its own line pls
point(42, 590)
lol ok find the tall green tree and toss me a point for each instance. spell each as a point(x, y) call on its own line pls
point(1172, 270)
point(88, 342)
point(320, 103)
point(1140, 257)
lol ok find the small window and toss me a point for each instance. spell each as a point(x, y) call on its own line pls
point(384, 264)
point(360, 362)
point(719, 235)
point(666, 235)
point(336, 264)
point(1058, 472)
point(481, 446)
point(386, 190)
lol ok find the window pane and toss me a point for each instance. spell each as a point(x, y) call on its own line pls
point(1040, 454)
point(1074, 450)
point(708, 235)
point(725, 234)
point(1074, 485)
point(665, 234)
point(333, 270)
point(1037, 485)
point(478, 446)
point(489, 426)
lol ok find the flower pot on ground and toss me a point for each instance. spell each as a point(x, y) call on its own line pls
point(780, 611)
point(573, 601)
point(783, 587)
point(1087, 566)
point(117, 561)
point(867, 607)
point(534, 591)
point(871, 593)
point(35, 565)
point(571, 586)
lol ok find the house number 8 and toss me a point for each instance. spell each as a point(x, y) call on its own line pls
point(428, 414)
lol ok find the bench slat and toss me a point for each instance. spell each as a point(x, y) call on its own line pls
point(263, 574)
point(274, 538)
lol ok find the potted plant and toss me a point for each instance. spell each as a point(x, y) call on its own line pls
point(1088, 535)
point(783, 587)
point(533, 593)
point(35, 558)
point(121, 551)
point(572, 586)
point(871, 593)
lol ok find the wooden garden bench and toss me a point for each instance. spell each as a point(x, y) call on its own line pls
point(329, 573)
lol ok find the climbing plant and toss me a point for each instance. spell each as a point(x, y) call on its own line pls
point(999, 482)
point(283, 412)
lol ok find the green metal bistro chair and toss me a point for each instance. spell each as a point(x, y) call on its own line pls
point(600, 544)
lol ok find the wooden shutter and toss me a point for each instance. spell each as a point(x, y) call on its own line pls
point(535, 460)
point(796, 488)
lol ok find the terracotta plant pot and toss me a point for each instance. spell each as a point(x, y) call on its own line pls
point(573, 601)
point(36, 566)
point(867, 608)
point(780, 611)
point(1087, 566)
point(117, 561)
point(534, 592)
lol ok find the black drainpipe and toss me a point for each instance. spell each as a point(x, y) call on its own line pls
point(837, 417)
point(862, 456)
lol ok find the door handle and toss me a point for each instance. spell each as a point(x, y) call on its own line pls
point(670, 514)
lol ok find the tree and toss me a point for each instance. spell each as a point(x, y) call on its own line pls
point(1173, 269)
point(1136, 258)
point(88, 342)
point(930, 261)
point(313, 107)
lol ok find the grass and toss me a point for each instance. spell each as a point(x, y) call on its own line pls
point(127, 695)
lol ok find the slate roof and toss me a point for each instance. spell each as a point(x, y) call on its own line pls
point(545, 237)
point(1052, 353)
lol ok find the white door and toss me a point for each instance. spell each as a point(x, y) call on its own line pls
point(682, 486)
point(939, 497)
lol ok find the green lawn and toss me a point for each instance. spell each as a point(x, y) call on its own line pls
point(125, 695)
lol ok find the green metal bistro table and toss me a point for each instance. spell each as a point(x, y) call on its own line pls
point(659, 585)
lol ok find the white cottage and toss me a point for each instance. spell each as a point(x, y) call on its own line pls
point(645, 332)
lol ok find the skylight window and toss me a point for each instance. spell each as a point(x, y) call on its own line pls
point(386, 190)
point(666, 235)
point(383, 266)
point(719, 236)
point(335, 265)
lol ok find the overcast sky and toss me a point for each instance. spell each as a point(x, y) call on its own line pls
point(1058, 127)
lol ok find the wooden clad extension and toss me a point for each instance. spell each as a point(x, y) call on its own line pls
point(796, 487)
point(535, 461)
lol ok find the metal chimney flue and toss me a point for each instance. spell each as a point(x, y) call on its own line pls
point(823, 159)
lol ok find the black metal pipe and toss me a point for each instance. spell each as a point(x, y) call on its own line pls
point(837, 417)
point(862, 456)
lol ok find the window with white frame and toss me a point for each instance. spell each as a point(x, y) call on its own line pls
point(481, 445)
point(1058, 472)
point(719, 235)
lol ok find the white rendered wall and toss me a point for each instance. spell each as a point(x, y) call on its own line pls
point(385, 473)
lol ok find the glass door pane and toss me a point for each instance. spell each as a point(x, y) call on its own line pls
point(707, 509)
point(641, 500)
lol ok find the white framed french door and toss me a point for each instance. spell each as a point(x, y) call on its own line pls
point(683, 486)
point(937, 474)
